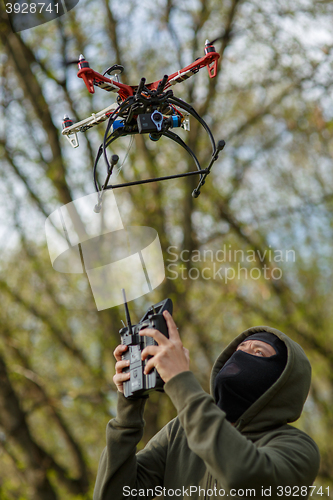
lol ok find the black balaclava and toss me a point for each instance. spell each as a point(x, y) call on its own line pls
point(245, 377)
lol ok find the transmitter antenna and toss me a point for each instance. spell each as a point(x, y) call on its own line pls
point(128, 319)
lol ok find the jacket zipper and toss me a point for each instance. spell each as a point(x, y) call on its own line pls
point(208, 476)
point(208, 483)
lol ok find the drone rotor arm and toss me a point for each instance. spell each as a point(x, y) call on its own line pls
point(190, 70)
point(92, 78)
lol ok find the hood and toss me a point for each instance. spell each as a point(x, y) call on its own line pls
point(284, 400)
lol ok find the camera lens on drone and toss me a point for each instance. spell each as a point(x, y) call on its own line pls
point(157, 119)
point(157, 116)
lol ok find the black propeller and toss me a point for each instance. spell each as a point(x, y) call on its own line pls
point(221, 37)
point(68, 63)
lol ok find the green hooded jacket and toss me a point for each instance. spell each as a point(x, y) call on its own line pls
point(200, 455)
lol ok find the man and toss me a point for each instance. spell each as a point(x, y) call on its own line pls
point(237, 443)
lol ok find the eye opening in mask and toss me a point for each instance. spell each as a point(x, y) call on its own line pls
point(257, 347)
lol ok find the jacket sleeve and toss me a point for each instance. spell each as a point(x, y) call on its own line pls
point(121, 470)
point(289, 458)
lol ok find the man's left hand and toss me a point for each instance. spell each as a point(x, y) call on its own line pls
point(170, 356)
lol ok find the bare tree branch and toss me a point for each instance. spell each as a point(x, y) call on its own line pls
point(14, 422)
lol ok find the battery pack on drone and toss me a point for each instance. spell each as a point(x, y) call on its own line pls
point(140, 384)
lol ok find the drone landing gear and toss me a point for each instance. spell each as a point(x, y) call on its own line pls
point(220, 146)
point(202, 172)
point(98, 206)
point(152, 112)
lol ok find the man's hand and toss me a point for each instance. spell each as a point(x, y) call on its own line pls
point(120, 377)
point(170, 356)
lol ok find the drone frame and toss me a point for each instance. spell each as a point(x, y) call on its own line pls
point(144, 101)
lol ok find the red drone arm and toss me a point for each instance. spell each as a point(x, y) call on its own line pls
point(209, 60)
point(91, 78)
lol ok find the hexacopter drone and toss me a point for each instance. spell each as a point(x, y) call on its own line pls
point(143, 109)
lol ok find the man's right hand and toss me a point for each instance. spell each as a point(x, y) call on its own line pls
point(120, 377)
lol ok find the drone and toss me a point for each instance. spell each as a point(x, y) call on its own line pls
point(143, 109)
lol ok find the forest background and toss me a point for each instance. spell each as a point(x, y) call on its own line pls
point(269, 197)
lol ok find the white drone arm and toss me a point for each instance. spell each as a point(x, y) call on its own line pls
point(70, 132)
